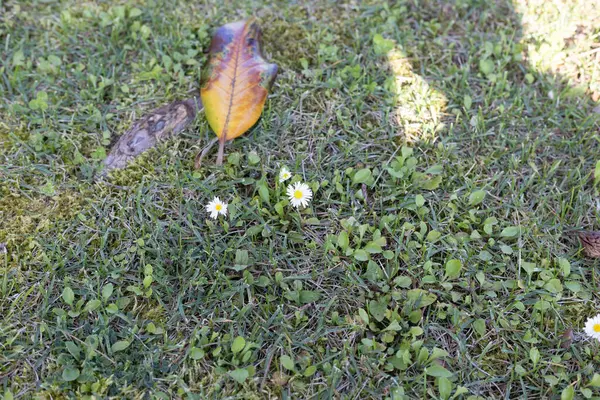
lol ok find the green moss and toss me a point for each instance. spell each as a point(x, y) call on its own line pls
point(298, 32)
point(24, 217)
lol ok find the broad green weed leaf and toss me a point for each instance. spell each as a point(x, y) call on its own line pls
point(69, 374)
point(120, 346)
point(239, 375)
point(453, 268)
point(238, 344)
point(287, 362)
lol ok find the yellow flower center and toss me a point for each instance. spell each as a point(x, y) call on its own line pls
point(596, 327)
point(298, 194)
point(219, 207)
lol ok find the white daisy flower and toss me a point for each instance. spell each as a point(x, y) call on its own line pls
point(284, 174)
point(299, 194)
point(216, 207)
point(592, 327)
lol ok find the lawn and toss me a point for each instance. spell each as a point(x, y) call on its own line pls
point(451, 148)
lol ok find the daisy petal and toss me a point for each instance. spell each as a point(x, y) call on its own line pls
point(284, 174)
point(216, 207)
point(299, 194)
point(592, 327)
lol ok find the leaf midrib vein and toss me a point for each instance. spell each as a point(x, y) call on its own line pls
point(235, 67)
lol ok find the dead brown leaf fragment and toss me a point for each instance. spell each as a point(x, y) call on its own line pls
point(566, 339)
point(590, 240)
point(147, 132)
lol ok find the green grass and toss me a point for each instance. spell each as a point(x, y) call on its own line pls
point(451, 148)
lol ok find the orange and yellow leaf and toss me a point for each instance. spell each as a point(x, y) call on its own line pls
point(237, 80)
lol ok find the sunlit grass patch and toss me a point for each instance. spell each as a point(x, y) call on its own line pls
point(420, 108)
